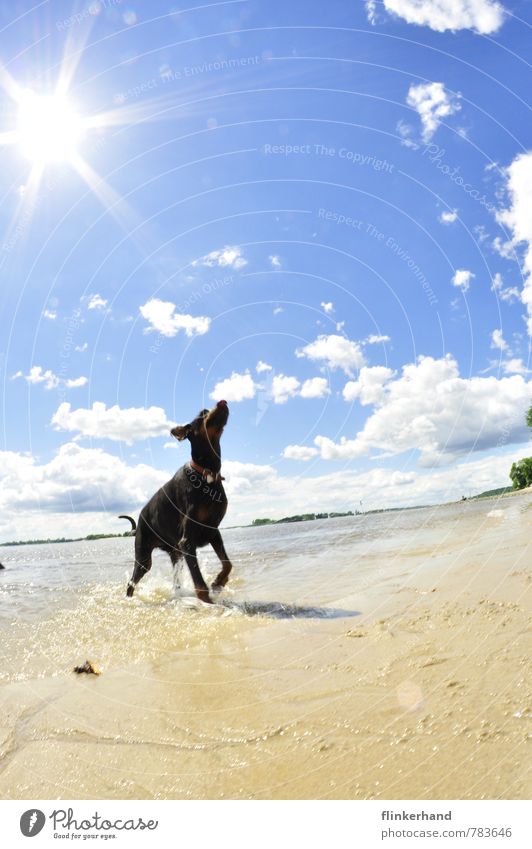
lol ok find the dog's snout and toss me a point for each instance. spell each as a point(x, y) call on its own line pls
point(221, 404)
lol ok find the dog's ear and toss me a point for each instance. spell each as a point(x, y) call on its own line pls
point(181, 432)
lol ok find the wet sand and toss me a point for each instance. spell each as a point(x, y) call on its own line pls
point(424, 693)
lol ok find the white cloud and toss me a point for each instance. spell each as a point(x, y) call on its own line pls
point(238, 387)
point(515, 366)
point(51, 314)
point(50, 380)
point(327, 307)
point(406, 132)
point(299, 452)
point(508, 294)
point(462, 279)
point(124, 425)
point(278, 310)
point(96, 302)
point(518, 218)
point(432, 103)
point(163, 318)
point(447, 217)
point(481, 16)
point(431, 409)
point(275, 261)
point(76, 382)
point(228, 257)
point(315, 387)
point(369, 387)
point(335, 352)
point(371, 11)
point(241, 479)
point(262, 367)
point(82, 348)
point(497, 340)
point(284, 387)
point(375, 339)
point(76, 479)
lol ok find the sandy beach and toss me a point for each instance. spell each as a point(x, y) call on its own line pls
point(422, 690)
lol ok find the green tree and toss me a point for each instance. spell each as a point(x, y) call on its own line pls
point(521, 473)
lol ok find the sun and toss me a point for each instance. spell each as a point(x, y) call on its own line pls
point(48, 128)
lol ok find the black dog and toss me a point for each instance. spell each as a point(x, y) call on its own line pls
point(185, 513)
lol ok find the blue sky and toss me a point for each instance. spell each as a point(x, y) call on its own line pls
point(321, 212)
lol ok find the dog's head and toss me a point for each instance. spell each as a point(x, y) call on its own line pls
point(204, 434)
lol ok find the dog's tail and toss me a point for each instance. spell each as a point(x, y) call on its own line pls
point(133, 523)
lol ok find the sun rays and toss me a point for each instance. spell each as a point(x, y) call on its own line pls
point(48, 128)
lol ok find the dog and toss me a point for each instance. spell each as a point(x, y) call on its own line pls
point(185, 513)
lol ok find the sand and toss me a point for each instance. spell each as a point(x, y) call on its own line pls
point(425, 696)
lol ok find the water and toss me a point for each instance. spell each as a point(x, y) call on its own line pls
point(342, 654)
point(62, 603)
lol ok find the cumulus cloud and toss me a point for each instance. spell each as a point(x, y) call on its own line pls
point(238, 387)
point(515, 366)
point(51, 314)
point(462, 279)
point(278, 388)
point(284, 387)
point(95, 302)
point(334, 352)
point(241, 478)
point(497, 340)
point(376, 339)
point(315, 387)
point(122, 425)
point(163, 318)
point(228, 257)
point(327, 307)
point(275, 261)
point(431, 409)
point(482, 16)
point(299, 452)
point(77, 478)
point(49, 380)
point(76, 382)
point(369, 388)
point(432, 103)
point(518, 219)
point(448, 217)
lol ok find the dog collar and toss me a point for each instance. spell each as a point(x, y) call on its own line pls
point(210, 477)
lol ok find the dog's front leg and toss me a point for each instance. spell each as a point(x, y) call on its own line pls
point(188, 548)
point(221, 553)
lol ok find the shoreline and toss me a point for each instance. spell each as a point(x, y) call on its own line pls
point(286, 520)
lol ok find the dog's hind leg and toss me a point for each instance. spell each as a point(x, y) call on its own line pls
point(177, 564)
point(142, 565)
point(219, 548)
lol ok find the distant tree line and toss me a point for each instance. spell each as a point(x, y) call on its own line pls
point(521, 472)
point(302, 517)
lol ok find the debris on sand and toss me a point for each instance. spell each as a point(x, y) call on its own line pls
point(88, 667)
